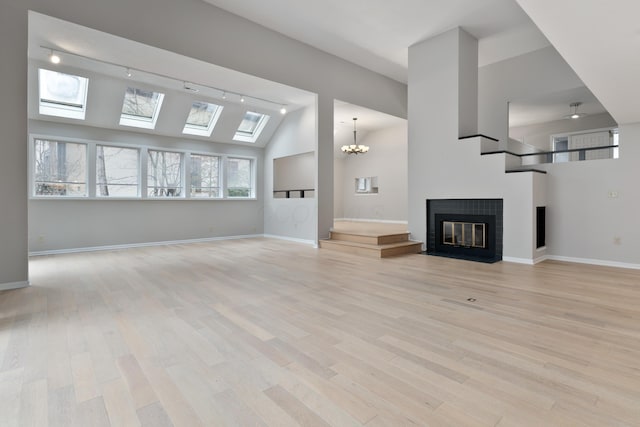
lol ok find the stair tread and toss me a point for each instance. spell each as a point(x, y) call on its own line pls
point(365, 234)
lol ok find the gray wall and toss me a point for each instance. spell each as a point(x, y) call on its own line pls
point(186, 27)
point(387, 160)
point(291, 218)
point(539, 134)
point(69, 224)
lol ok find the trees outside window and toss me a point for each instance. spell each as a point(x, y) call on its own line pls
point(239, 177)
point(60, 168)
point(205, 176)
point(117, 171)
point(164, 174)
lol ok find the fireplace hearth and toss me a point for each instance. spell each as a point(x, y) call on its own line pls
point(465, 228)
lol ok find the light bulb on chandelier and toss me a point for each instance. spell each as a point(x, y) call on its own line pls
point(354, 148)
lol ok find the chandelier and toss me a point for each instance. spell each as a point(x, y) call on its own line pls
point(354, 148)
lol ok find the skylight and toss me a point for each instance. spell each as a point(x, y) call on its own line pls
point(202, 118)
point(140, 108)
point(62, 95)
point(251, 126)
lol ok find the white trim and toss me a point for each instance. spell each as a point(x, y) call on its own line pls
point(518, 260)
point(385, 221)
point(601, 262)
point(291, 239)
point(13, 285)
point(140, 245)
point(540, 259)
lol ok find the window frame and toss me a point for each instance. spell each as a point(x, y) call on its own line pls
point(139, 175)
point(143, 150)
point(59, 109)
point(251, 137)
point(191, 129)
point(221, 175)
point(32, 168)
point(252, 178)
point(183, 170)
point(141, 122)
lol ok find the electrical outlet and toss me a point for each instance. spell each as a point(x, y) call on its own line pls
point(613, 194)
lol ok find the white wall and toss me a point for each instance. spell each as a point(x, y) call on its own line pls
point(440, 166)
point(582, 220)
point(294, 172)
point(291, 218)
point(533, 74)
point(539, 134)
point(387, 160)
point(187, 28)
point(70, 224)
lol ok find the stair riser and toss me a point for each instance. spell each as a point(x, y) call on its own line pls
point(370, 240)
point(372, 252)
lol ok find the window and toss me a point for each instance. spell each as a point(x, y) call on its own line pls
point(140, 108)
point(239, 177)
point(251, 126)
point(164, 174)
point(59, 169)
point(205, 176)
point(202, 118)
point(117, 171)
point(62, 95)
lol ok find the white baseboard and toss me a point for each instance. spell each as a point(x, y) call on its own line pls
point(140, 245)
point(13, 285)
point(600, 262)
point(291, 239)
point(604, 263)
point(518, 260)
point(384, 221)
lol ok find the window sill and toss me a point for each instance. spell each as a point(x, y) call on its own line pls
point(140, 199)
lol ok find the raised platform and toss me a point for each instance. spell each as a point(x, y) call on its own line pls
point(378, 240)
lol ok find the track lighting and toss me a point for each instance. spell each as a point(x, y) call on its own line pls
point(54, 57)
point(190, 87)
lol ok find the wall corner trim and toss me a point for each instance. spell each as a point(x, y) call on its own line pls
point(13, 285)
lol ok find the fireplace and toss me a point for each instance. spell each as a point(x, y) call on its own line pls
point(465, 228)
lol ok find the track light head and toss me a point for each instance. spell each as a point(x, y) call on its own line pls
point(54, 57)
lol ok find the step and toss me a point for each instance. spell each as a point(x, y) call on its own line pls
point(371, 239)
point(375, 251)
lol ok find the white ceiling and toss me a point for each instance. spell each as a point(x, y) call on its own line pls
point(552, 106)
point(368, 121)
point(376, 34)
point(600, 40)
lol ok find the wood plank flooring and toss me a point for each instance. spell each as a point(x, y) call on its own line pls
point(262, 332)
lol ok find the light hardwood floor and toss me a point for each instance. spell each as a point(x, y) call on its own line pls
point(265, 332)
